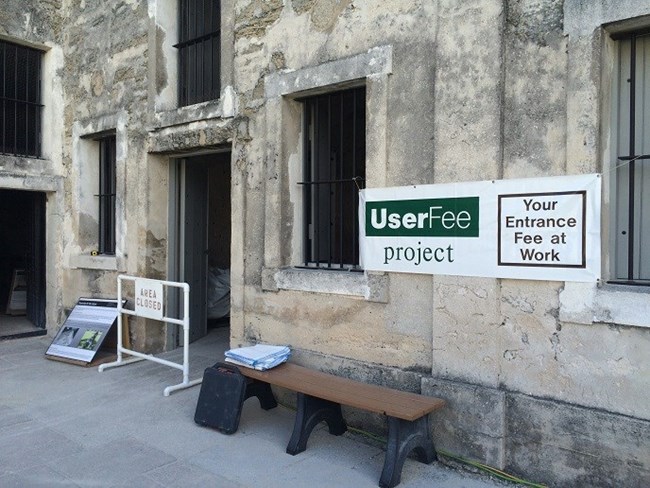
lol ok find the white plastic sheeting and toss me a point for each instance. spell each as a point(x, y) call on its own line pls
point(218, 293)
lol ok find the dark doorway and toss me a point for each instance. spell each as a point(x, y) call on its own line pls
point(204, 235)
point(22, 263)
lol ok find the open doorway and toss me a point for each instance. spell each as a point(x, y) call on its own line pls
point(200, 236)
point(22, 263)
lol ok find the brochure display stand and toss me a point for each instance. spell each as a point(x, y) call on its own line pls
point(83, 333)
point(149, 303)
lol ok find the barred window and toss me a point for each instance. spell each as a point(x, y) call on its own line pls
point(20, 95)
point(199, 51)
point(107, 166)
point(631, 131)
point(334, 172)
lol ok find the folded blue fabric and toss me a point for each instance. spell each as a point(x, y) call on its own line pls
point(260, 356)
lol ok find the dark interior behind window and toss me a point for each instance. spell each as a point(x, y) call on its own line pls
point(199, 51)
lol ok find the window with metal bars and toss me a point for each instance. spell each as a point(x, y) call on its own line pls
point(199, 51)
point(20, 99)
point(631, 130)
point(334, 172)
point(106, 196)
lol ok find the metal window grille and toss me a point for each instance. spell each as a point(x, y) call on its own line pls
point(20, 99)
point(199, 51)
point(632, 192)
point(334, 172)
point(107, 168)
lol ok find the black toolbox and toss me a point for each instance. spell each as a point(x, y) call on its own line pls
point(220, 401)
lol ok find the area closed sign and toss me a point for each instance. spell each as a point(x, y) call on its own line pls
point(149, 298)
point(537, 228)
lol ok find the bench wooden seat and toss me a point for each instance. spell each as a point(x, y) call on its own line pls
point(320, 396)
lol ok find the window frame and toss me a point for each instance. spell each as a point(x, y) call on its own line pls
point(107, 194)
point(339, 249)
point(25, 99)
point(626, 257)
point(196, 39)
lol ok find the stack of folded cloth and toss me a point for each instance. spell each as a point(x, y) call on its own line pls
point(260, 356)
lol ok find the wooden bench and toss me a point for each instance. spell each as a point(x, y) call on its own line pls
point(320, 396)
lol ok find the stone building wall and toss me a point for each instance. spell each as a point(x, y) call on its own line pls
point(545, 379)
point(107, 90)
point(40, 25)
point(548, 380)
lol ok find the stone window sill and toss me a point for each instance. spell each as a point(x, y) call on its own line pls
point(106, 263)
point(587, 303)
point(224, 107)
point(372, 287)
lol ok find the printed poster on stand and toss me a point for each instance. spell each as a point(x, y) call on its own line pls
point(85, 330)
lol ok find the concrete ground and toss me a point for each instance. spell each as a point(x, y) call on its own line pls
point(66, 425)
point(12, 326)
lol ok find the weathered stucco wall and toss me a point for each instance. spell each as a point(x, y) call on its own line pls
point(106, 85)
point(40, 25)
point(32, 21)
point(332, 31)
point(472, 91)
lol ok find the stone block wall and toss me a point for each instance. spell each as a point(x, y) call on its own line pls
point(540, 439)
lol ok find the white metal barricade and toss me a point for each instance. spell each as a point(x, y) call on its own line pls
point(138, 356)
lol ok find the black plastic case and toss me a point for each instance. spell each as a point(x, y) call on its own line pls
point(221, 398)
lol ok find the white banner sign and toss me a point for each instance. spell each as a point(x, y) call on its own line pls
point(149, 298)
point(537, 228)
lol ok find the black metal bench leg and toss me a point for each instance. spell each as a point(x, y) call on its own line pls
point(263, 392)
point(403, 437)
point(310, 412)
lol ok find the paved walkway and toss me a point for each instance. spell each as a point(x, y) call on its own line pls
point(65, 425)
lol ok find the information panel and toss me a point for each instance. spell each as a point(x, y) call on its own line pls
point(85, 329)
point(534, 228)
